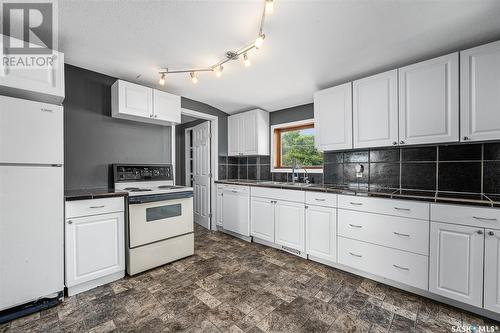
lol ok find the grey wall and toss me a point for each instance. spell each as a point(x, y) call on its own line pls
point(93, 140)
point(295, 113)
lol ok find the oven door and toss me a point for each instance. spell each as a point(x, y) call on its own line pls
point(158, 220)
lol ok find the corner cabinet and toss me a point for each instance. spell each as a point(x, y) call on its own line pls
point(429, 102)
point(135, 102)
point(333, 118)
point(248, 133)
point(480, 93)
point(375, 110)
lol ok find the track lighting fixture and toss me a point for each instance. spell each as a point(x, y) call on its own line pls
point(194, 78)
point(269, 7)
point(246, 61)
point(230, 55)
point(162, 79)
point(218, 71)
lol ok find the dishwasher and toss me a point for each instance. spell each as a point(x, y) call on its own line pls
point(236, 209)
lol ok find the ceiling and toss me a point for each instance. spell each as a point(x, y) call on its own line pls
point(310, 44)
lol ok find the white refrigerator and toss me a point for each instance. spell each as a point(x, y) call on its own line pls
point(31, 201)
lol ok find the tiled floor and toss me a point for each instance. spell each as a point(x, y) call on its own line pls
point(233, 286)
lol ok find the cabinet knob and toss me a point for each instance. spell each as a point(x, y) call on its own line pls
point(156, 116)
point(395, 143)
point(402, 142)
point(479, 232)
point(70, 222)
point(306, 207)
point(466, 138)
point(491, 233)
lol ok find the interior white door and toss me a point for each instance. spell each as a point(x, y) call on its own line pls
point(428, 101)
point(289, 225)
point(201, 174)
point(321, 232)
point(492, 271)
point(94, 247)
point(480, 93)
point(30, 132)
point(333, 118)
point(233, 135)
point(456, 262)
point(262, 218)
point(31, 233)
point(375, 110)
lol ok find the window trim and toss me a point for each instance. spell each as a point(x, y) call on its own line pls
point(275, 154)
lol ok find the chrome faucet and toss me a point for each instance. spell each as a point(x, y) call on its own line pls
point(295, 176)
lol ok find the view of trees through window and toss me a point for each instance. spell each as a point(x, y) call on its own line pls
point(297, 145)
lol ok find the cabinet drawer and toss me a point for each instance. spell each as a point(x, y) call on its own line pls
point(408, 268)
point(466, 215)
point(392, 231)
point(416, 210)
point(321, 199)
point(94, 207)
point(278, 194)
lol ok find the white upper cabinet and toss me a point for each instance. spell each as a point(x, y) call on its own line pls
point(375, 110)
point(428, 101)
point(39, 84)
point(135, 102)
point(166, 107)
point(248, 133)
point(333, 118)
point(456, 262)
point(480, 93)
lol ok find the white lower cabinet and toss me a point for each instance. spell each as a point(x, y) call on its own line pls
point(321, 232)
point(289, 225)
point(456, 262)
point(220, 189)
point(262, 221)
point(492, 270)
point(94, 246)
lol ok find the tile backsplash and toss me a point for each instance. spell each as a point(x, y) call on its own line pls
point(473, 168)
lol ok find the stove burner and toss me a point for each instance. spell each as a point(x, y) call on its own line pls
point(137, 189)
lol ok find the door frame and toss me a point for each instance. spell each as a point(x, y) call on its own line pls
point(214, 157)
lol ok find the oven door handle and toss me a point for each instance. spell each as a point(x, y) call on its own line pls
point(159, 197)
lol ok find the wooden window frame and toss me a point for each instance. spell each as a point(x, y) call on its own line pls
point(277, 131)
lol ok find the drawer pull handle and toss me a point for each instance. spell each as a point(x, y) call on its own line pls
point(403, 209)
point(355, 225)
point(403, 268)
point(95, 207)
point(318, 199)
point(400, 234)
point(355, 255)
point(356, 203)
point(234, 191)
point(485, 218)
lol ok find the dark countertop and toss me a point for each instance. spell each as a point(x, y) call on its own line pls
point(390, 193)
point(92, 193)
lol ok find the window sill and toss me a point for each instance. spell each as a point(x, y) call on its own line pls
point(298, 170)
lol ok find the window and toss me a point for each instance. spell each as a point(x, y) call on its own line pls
point(293, 145)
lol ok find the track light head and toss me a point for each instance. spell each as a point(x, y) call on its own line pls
point(269, 7)
point(246, 61)
point(218, 71)
point(259, 41)
point(162, 79)
point(193, 77)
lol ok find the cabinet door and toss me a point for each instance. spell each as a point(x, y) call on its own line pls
point(321, 232)
point(375, 110)
point(492, 271)
point(480, 93)
point(333, 118)
point(289, 225)
point(135, 100)
point(262, 219)
point(219, 207)
point(428, 101)
point(166, 107)
point(456, 262)
point(249, 130)
point(233, 135)
point(94, 247)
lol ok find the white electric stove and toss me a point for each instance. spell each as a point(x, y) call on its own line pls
point(160, 224)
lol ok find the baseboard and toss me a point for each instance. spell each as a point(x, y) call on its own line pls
point(79, 288)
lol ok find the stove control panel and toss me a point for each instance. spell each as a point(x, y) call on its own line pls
point(129, 172)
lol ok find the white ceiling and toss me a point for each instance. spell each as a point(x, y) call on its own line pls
point(310, 44)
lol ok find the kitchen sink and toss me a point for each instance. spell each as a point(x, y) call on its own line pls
point(286, 184)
